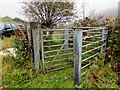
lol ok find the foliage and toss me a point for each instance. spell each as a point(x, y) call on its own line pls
point(90, 22)
point(113, 50)
point(49, 14)
point(22, 49)
point(114, 43)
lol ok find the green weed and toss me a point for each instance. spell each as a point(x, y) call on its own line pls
point(99, 76)
point(24, 77)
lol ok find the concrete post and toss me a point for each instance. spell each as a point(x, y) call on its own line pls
point(35, 44)
point(77, 55)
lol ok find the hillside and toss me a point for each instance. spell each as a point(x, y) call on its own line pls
point(9, 19)
point(109, 12)
point(6, 19)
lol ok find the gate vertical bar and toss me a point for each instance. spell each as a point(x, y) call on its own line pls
point(119, 14)
point(104, 37)
point(66, 35)
point(104, 41)
point(119, 10)
point(35, 44)
point(77, 55)
point(1, 72)
point(42, 49)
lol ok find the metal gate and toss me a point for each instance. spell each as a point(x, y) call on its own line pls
point(57, 49)
point(88, 43)
point(64, 48)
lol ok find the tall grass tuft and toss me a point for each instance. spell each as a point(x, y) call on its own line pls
point(100, 75)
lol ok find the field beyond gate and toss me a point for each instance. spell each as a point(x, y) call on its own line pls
point(64, 48)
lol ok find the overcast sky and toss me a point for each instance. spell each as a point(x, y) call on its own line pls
point(12, 8)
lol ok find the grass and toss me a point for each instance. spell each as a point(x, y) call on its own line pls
point(100, 76)
point(22, 77)
point(14, 76)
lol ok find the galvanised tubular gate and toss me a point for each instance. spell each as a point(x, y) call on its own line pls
point(65, 48)
point(87, 44)
point(57, 49)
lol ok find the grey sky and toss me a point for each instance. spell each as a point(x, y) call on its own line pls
point(12, 8)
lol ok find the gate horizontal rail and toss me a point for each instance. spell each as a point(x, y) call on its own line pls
point(58, 50)
point(58, 65)
point(57, 29)
point(93, 49)
point(89, 57)
point(92, 36)
point(91, 43)
point(59, 69)
point(59, 55)
point(58, 60)
point(56, 40)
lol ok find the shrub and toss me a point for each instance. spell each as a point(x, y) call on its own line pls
point(22, 48)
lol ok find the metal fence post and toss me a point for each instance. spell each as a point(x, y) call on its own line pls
point(77, 55)
point(35, 43)
point(42, 49)
point(119, 10)
point(104, 38)
point(66, 35)
point(104, 41)
point(119, 13)
point(1, 72)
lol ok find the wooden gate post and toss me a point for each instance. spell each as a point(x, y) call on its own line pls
point(77, 55)
point(66, 35)
point(35, 44)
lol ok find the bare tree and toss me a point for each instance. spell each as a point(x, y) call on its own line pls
point(83, 6)
point(49, 14)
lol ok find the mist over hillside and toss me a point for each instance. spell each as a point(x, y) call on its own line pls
point(109, 12)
